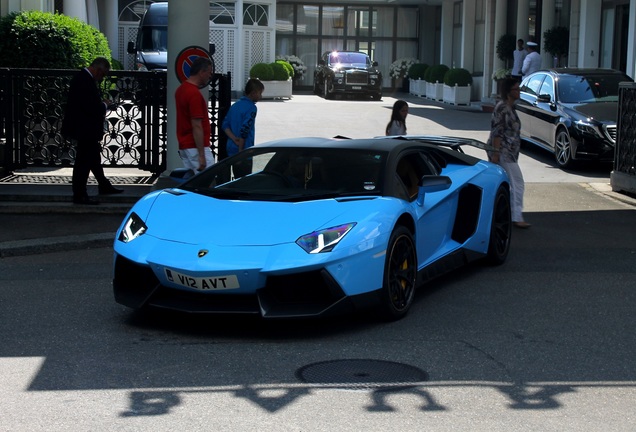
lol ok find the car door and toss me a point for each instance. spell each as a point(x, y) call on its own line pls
point(433, 223)
point(547, 113)
point(527, 109)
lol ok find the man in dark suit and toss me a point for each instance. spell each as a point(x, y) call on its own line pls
point(84, 125)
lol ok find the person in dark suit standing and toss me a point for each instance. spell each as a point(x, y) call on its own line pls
point(84, 124)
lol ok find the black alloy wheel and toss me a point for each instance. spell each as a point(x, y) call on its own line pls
point(500, 229)
point(400, 273)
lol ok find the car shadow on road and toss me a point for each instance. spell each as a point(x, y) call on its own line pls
point(590, 168)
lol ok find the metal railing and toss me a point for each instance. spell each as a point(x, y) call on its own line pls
point(623, 176)
point(135, 134)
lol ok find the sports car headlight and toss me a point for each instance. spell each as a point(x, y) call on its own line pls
point(133, 228)
point(587, 128)
point(324, 240)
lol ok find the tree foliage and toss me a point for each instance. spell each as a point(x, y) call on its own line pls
point(556, 41)
point(34, 39)
point(505, 47)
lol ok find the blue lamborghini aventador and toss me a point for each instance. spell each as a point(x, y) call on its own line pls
point(317, 226)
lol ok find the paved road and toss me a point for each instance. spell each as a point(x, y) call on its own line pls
point(544, 342)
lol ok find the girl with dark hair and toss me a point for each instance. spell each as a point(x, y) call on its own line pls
point(505, 144)
point(397, 124)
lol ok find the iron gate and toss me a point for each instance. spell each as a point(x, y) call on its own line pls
point(135, 134)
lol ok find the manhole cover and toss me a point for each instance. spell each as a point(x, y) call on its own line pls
point(362, 373)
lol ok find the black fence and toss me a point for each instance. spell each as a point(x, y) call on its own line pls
point(623, 177)
point(135, 133)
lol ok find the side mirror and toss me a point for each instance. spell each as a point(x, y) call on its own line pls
point(432, 183)
point(545, 98)
point(375, 64)
point(321, 62)
point(131, 48)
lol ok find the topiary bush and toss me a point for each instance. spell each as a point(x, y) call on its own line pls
point(262, 71)
point(34, 39)
point(435, 73)
point(280, 72)
point(287, 66)
point(506, 45)
point(458, 76)
point(417, 71)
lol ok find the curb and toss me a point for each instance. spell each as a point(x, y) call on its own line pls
point(55, 244)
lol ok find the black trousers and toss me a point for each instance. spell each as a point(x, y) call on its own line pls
point(87, 159)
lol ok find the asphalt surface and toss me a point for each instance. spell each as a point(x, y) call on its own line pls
point(37, 215)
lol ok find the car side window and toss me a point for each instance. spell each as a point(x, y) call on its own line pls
point(532, 85)
point(547, 88)
point(409, 171)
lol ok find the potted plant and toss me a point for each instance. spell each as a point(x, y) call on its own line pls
point(417, 85)
point(399, 70)
point(275, 78)
point(297, 64)
point(434, 77)
point(556, 41)
point(457, 86)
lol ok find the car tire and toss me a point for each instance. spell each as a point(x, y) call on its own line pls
point(563, 149)
point(325, 90)
point(400, 275)
point(500, 228)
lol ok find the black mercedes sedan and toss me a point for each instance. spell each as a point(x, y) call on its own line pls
point(571, 112)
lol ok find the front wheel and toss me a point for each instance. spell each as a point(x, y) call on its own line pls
point(400, 273)
point(325, 91)
point(563, 149)
point(500, 228)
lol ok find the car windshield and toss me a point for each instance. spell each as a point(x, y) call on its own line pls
point(293, 174)
point(154, 39)
point(348, 59)
point(592, 88)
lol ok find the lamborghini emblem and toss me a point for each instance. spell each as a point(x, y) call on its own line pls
point(202, 253)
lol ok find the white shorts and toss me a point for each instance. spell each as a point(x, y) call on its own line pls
point(190, 158)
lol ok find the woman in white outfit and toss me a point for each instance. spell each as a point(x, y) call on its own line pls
point(505, 144)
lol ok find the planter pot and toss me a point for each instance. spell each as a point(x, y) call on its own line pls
point(417, 87)
point(277, 89)
point(457, 95)
point(435, 91)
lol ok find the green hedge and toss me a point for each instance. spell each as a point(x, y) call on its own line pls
point(262, 71)
point(417, 71)
point(34, 39)
point(435, 73)
point(458, 76)
point(288, 67)
point(280, 72)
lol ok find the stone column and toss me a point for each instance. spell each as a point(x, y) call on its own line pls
point(523, 14)
point(188, 24)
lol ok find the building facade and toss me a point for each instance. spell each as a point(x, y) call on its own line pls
point(457, 33)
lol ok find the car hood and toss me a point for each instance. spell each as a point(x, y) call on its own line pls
point(192, 218)
point(606, 112)
point(154, 60)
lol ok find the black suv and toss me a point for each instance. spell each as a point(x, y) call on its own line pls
point(347, 72)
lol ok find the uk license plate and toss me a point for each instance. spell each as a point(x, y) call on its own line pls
point(357, 87)
point(209, 283)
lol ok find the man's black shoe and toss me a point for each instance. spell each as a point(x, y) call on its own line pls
point(109, 190)
point(85, 200)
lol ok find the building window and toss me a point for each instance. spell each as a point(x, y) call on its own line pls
point(222, 13)
point(255, 15)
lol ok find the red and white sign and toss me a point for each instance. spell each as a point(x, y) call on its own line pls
point(185, 59)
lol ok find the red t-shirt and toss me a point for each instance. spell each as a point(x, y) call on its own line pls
point(191, 104)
